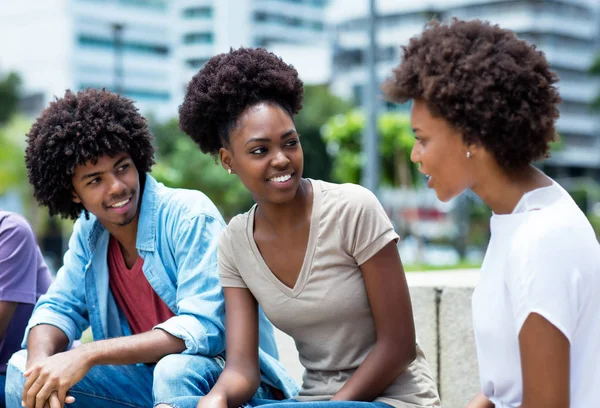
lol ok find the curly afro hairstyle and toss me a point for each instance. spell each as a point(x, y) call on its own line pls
point(496, 89)
point(230, 83)
point(77, 129)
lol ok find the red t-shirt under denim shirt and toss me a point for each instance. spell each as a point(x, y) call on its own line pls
point(143, 308)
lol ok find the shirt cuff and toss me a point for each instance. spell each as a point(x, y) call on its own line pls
point(377, 245)
point(42, 316)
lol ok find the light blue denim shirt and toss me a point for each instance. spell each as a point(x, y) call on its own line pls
point(177, 238)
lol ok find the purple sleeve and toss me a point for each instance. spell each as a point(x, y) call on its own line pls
point(18, 260)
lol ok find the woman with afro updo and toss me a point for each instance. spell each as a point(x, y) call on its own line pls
point(484, 106)
point(319, 258)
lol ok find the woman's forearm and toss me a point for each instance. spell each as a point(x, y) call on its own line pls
point(384, 363)
point(480, 401)
point(236, 385)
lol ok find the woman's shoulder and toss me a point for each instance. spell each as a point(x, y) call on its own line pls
point(237, 226)
point(348, 195)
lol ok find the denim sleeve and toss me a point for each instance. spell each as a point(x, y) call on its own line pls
point(200, 319)
point(64, 305)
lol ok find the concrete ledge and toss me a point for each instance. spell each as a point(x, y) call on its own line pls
point(459, 377)
point(425, 311)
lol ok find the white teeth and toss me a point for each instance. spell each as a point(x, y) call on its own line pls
point(120, 204)
point(281, 179)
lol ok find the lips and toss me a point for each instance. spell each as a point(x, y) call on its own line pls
point(120, 204)
point(428, 178)
point(280, 179)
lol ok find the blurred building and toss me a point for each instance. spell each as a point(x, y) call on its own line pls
point(122, 45)
point(287, 27)
point(146, 49)
point(568, 31)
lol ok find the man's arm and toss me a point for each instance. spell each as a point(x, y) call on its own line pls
point(44, 341)
point(64, 306)
point(7, 310)
point(146, 347)
point(59, 318)
point(50, 371)
point(200, 314)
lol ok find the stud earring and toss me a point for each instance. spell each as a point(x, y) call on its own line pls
point(229, 171)
point(468, 155)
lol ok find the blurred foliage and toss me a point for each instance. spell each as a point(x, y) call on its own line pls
point(587, 196)
point(479, 224)
point(10, 90)
point(595, 221)
point(343, 134)
point(319, 106)
point(557, 145)
point(13, 175)
point(181, 164)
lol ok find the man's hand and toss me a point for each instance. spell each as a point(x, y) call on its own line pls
point(48, 380)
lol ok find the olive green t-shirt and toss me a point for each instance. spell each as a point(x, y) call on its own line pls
point(327, 312)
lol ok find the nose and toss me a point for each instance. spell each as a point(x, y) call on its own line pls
point(116, 186)
point(280, 160)
point(415, 154)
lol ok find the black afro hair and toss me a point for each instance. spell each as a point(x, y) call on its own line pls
point(495, 88)
point(230, 83)
point(77, 129)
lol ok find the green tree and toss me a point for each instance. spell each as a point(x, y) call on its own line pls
point(319, 106)
point(343, 134)
point(13, 175)
point(181, 164)
point(10, 89)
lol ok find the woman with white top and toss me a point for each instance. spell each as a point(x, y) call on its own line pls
point(484, 106)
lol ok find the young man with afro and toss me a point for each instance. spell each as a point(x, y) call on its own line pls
point(141, 270)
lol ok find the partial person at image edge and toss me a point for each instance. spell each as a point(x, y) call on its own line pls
point(24, 277)
point(484, 107)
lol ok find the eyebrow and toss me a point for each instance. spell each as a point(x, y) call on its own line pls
point(267, 140)
point(90, 175)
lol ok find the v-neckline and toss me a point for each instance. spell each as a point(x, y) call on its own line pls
point(313, 234)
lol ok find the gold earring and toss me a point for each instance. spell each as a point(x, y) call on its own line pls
point(229, 171)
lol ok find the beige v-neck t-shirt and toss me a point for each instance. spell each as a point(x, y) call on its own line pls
point(327, 311)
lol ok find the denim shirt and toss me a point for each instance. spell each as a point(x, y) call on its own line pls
point(177, 238)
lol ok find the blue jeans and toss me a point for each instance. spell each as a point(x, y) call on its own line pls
point(291, 403)
point(141, 385)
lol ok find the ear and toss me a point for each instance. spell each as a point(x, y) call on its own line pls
point(474, 148)
point(226, 158)
point(75, 197)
